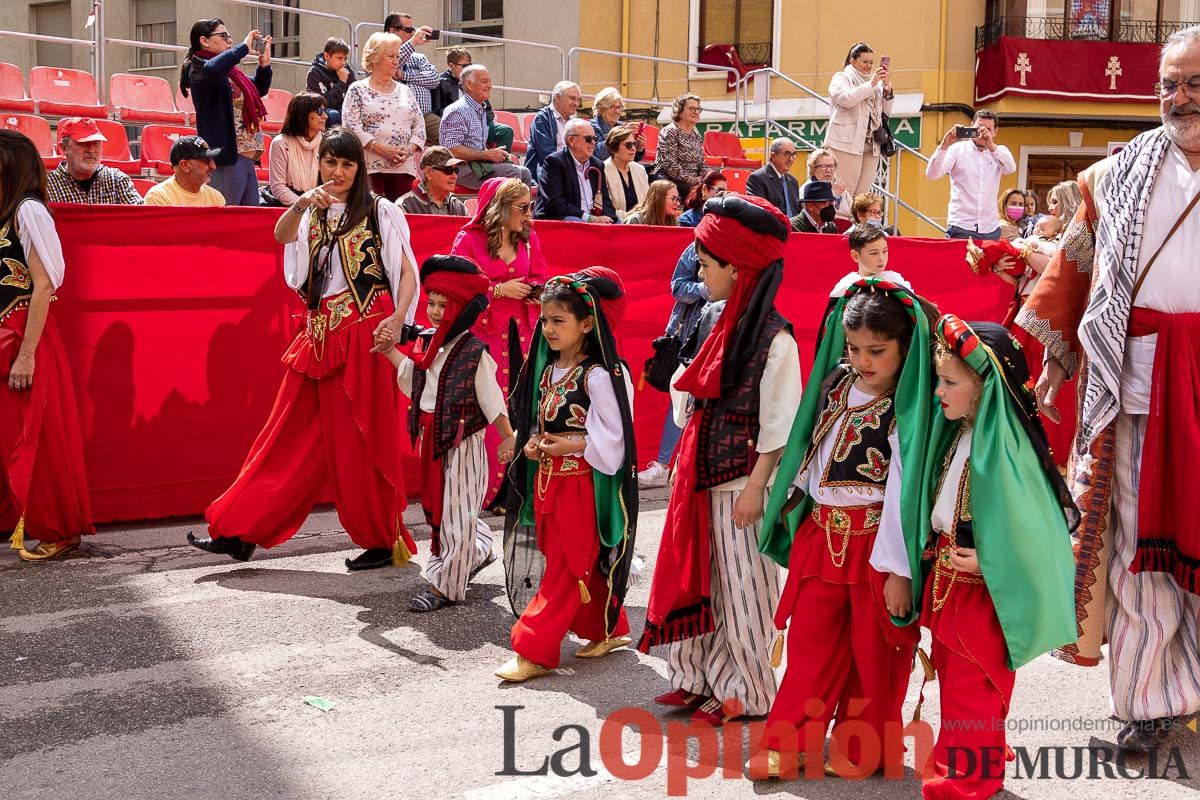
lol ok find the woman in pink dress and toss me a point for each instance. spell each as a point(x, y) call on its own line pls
point(500, 241)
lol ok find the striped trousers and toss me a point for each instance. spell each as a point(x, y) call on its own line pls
point(731, 663)
point(1153, 625)
point(466, 541)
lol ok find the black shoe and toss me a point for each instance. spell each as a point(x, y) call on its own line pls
point(1143, 735)
point(230, 546)
point(491, 559)
point(374, 558)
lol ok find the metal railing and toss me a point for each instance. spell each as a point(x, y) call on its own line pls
point(736, 76)
point(478, 37)
point(97, 52)
point(1059, 28)
point(178, 48)
point(304, 12)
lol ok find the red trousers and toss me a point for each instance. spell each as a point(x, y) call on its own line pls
point(567, 536)
point(845, 657)
point(975, 684)
point(334, 423)
point(41, 450)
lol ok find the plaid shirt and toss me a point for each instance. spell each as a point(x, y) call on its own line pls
point(109, 187)
point(464, 124)
point(419, 75)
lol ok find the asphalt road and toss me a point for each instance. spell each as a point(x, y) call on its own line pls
point(147, 669)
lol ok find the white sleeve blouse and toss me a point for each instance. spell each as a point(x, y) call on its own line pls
point(37, 232)
point(393, 229)
point(605, 433)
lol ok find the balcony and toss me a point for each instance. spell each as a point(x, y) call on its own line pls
point(1092, 30)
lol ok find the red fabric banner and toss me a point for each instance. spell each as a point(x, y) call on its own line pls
point(174, 323)
point(1064, 70)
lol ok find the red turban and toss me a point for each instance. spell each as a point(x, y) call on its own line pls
point(750, 234)
point(610, 290)
point(460, 281)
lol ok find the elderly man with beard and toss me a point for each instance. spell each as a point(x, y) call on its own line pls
point(81, 178)
point(1120, 307)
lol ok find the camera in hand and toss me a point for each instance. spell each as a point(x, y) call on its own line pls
point(966, 132)
point(434, 35)
point(408, 334)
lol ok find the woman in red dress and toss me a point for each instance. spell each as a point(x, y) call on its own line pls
point(45, 492)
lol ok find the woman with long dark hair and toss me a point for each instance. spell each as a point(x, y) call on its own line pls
point(41, 450)
point(860, 94)
point(346, 253)
point(229, 106)
point(293, 167)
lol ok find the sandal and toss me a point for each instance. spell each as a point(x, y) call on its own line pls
point(428, 601)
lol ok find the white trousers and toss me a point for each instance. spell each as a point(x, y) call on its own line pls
point(1154, 657)
point(732, 661)
point(466, 541)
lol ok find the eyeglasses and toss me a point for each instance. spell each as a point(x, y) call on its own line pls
point(588, 139)
point(445, 170)
point(824, 166)
point(1166, 88)
point(788, 154)
point(629, 145)
point(697, 109)
point(722, 190)
point(464, 65)
point(674, 200)
point(223, 35)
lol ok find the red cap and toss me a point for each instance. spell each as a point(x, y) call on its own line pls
point(80, 129)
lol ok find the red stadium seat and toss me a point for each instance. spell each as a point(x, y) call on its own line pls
point(736, 178)
point(651, 134)
point(65, 92)
point(12, 89)
point(156, 146)
point(38, 131)
point(184, 104)
point(527, 125)
point(263, 171)
point(276, 101)
point(520, 144)
point(728, 148)
point(142, 185)
point(115, 152)
point(143, 98)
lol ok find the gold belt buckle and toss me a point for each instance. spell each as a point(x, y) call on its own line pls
point(317, 323)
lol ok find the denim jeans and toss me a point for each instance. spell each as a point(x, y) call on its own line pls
point(955, 232)
point(237, 182)
point(670, 437)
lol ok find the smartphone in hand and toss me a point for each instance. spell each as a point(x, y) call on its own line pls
point(256, 46)
point(966, 132)
point(885, 62)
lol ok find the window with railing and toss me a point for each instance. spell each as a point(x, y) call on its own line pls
point(154, 22)
point(282, 27)
point(481, 17)
point(746, 25)
point(1135, 21)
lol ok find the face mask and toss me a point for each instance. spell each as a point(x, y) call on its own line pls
point(875, 223)
point(828, 213)
point(1015, 212)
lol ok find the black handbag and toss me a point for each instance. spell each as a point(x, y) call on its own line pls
point(662, 365)
point(883, 137)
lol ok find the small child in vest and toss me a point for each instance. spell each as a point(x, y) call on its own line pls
point(573, 506)
point(997, 566)
point(713, 594)
point(451, 382)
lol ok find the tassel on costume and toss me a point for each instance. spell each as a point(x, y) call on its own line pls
point(777, 651)
point(930, 675)
point(584, 596)
point(18, 535)
point(400, 553)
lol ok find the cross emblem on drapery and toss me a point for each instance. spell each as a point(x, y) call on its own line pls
point(1023, 66)
point(1112, 71)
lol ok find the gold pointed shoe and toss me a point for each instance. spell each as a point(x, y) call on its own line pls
point(763, 766)
point(596, 649)
point(520, 669)
point(47, 551)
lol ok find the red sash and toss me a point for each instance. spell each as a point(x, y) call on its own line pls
point(1168, 507)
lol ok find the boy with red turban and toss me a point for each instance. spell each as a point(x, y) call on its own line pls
point(713, 594)
point(451, 380)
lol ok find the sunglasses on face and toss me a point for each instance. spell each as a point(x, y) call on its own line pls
point(445, 170)
point(629, 145)
point(522, 208)
point(588, 139)
point(322, 111)
point(408, 29)
point(464, 65)
point(222, 35)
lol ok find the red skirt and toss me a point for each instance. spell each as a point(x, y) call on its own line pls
point(1061, 435)
point(40, 444)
